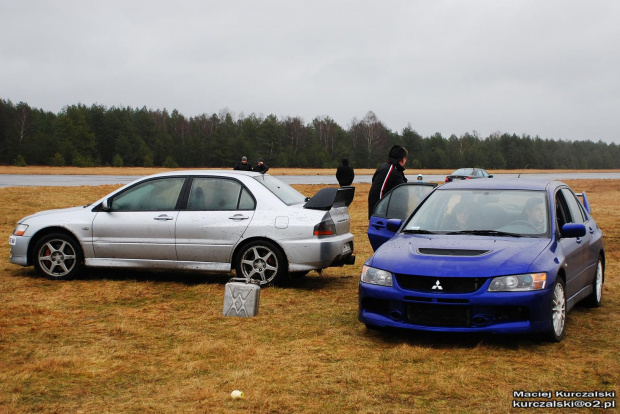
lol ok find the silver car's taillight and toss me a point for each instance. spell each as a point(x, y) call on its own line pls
point(325, 228)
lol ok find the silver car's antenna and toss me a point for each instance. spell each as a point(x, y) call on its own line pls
point(519, 176)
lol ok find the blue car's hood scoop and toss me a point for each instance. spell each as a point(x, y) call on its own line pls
point(451, 252)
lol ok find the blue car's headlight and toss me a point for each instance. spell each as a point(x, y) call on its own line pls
point(376, 276)
point(518, 283)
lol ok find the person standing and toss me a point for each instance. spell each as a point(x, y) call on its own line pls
point(345, 173)
point(261, 167)
point(388, 175)
point(243, 165)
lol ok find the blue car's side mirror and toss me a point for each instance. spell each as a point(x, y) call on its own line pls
point(572, 230)
point(393, 225)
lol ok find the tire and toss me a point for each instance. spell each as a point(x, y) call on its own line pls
point(595, 299)
point(58, 256)
point(557, 312)
point(261, 261)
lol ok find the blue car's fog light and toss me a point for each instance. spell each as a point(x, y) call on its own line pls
point(518, 283)
point(376, 276)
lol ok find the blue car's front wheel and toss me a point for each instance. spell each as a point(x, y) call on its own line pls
point(558, 311)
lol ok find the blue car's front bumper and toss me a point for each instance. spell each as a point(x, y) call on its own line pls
point(480, 311)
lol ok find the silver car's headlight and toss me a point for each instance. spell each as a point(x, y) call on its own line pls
point(20, 229)
point(518, 283)
point(376, 276)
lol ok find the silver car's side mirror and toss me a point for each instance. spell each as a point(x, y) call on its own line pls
point(105, 205)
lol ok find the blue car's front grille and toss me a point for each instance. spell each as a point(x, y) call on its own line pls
point(440, 284)
point(427, 314)
point(438, 315)
point(444, 314)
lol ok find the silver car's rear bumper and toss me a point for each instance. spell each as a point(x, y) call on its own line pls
point(319, 253)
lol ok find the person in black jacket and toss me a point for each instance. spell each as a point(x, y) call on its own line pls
point(261, 167)
point(388, 175)
point(344, 173)
point(243, 165)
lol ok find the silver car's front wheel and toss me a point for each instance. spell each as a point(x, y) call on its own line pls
point(261, 261)
point(57, 256)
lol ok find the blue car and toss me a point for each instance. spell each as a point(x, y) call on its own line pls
point(496, 256)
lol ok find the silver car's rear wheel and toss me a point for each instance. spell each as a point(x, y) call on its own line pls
point(261, 261)
point(558, 311)
point(57, 256)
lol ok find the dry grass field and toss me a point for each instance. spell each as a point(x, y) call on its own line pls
point(134, 342)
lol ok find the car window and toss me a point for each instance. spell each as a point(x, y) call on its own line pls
point(577, 215)
point(214, 193)
point(246, 201)
point(153, 195)
point(562, 214)
point(401, 201)
point(493, 210)
point(287, 194)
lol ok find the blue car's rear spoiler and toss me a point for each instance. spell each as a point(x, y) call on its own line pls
point(325, 198)
point(585, 202)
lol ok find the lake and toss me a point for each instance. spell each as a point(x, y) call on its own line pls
point(18, 180)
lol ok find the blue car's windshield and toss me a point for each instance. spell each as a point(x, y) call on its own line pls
point(512, 212)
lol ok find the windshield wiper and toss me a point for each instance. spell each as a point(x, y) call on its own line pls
point(486, 233)
point(418, 231)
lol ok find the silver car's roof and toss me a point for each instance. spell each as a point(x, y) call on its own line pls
point(221, 173)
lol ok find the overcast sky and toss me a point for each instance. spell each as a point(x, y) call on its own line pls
point(548, 68)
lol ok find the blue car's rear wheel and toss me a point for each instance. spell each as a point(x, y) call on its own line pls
point(595, 299)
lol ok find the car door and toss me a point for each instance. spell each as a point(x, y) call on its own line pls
point(575, 249)
point(140, 222)
point(589, 254)
point(218, 212)
point(397, 204)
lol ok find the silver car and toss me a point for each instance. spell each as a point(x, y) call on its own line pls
point(212, 221)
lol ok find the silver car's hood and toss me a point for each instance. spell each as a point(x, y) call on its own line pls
point(55, 211)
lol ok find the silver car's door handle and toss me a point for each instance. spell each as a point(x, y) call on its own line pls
point(238, 217)
point(163, 217)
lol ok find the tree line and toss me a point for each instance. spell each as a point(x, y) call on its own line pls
point(95, 135)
